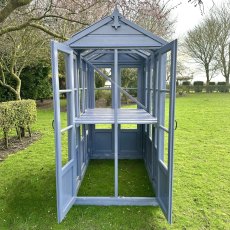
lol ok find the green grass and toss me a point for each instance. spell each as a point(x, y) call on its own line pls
point(99, 179)
point(201, 178)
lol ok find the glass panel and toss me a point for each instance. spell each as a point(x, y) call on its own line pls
point(165, 159)
point(65, 121)
point(166, 120)
point(64, 84)
point(81, 132)
point(103, 126)
point(103, 89)
point(128, 126)
point(76, 89)
point(66, 146)
point(62, 73)
point(167, 86)
point(150, 131)
point(129, 80)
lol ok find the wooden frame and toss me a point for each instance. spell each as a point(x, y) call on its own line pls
point(84, 54)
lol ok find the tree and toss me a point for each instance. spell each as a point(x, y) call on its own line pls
point(59, 19)
point(201, 44)
point(222, 17)
point(17, 50)
point(10, 6)
point(36, 82)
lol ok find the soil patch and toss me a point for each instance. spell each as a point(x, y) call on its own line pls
point(16, 145)
point(46, 104)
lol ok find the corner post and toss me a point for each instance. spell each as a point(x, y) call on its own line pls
point(116, 122)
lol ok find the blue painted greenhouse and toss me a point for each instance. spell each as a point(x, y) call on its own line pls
point(104, 50)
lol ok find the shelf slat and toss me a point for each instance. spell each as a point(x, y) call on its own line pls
point(125, 116)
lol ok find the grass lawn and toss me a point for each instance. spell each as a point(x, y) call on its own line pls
point(201, 178)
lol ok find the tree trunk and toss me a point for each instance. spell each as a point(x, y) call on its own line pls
point(227, 84)
point(17, 97)
point(22, 131)
point(227, 80)
point(29, 131)
point(18, 89)
point(207, 77)
point(6, 140)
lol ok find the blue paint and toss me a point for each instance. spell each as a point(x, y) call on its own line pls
point(114, 42)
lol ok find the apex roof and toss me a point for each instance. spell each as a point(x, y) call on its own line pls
point(115, 31)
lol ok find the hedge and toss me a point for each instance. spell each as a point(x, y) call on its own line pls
point(17, 114)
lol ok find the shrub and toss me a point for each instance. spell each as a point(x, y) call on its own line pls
point(105, 94)
point(17, 114)
point(186, 83)
point(186, 86)
point(7, 120)
point(198, 86)
point(222, 87)
point(36, 83)
point(211, 87)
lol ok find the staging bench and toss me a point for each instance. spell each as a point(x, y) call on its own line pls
point(124, 116)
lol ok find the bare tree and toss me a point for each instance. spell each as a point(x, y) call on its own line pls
point(23, 20)
point(9, 6)
point(201, 44)
point(59, 18)
point(222, 16)
point(18, 50)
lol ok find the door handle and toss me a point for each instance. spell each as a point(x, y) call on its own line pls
point(175, 125)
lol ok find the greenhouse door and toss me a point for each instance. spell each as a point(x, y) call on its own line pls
point(64, 133)
point(165, 65)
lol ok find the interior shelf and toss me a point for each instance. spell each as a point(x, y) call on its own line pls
point(125, 116)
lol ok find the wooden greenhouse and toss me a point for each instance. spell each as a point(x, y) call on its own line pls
point(106, 48)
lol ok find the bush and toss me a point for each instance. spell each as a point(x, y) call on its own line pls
point(17, 114)
point(6, 94)
point(211, 87)
point(36, 83)
point(7, 120)
point(186, 83)
point(186, 86)
point(105, 94)
point(198, 86)
point(222, 87)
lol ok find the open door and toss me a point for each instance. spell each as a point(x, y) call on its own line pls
point(165, 63)
point(64, 133)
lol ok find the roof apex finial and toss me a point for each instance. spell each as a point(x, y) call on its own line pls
point(116, 16)
point(116, 5)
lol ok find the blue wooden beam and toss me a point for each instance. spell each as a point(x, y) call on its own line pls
point(117, 201)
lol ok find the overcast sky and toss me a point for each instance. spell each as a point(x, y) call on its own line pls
point(188, 17)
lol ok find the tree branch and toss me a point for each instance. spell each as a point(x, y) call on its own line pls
point(46, 30)
point(8, 87)
point(11, 6)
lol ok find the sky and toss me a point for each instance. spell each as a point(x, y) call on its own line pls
point(188, 17)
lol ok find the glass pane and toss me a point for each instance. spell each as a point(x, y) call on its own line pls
point(128, 126)
point(129, 82)
point(103, 98)
point(165, 160)
point(103, 89)
point(103, 126)
point(62, 73)
point(167, 87)
point(66, 146)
